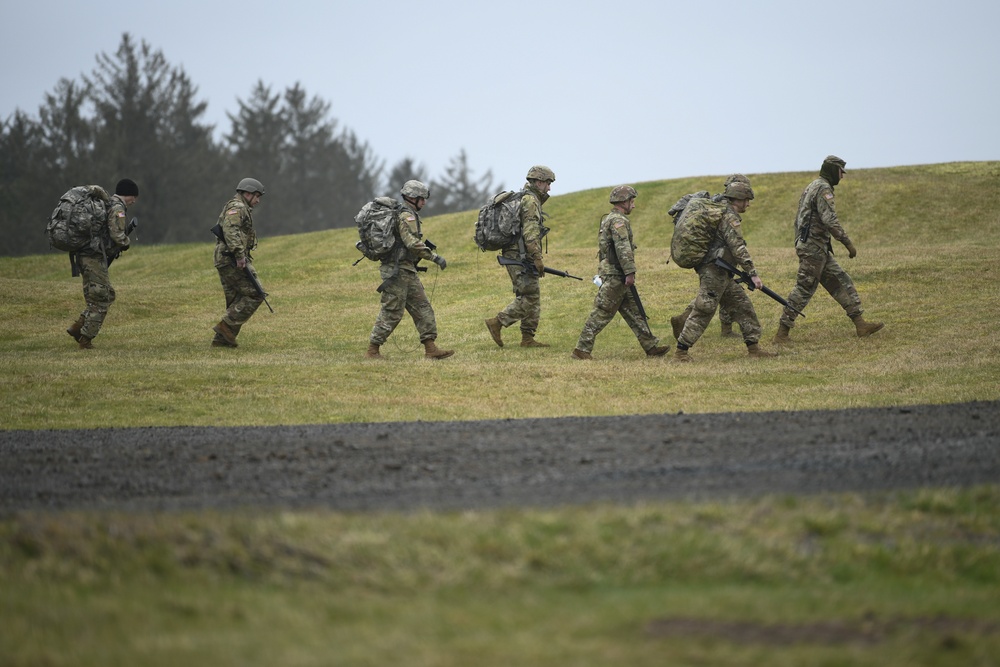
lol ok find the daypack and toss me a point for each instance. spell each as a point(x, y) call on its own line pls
point(499, 223)
point(77, 222)
point(694, 232)
point(377, 228)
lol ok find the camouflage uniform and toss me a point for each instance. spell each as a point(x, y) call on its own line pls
point(717, 287)
point(527, 304)
point(402, 290)
point(675, 212)
point(817, 265)
point(616, 251)
point(93, 265)
point(242, 298)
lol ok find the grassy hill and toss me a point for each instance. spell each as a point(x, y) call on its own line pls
point(926, 237)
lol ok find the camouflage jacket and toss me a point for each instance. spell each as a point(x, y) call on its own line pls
point(615, 247)
point(818, 213)
point(236, 221)
point(408, 230)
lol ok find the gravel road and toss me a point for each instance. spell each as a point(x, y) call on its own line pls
point(503, 463)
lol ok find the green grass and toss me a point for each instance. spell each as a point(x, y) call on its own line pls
point(580, 586)
point(926, 238)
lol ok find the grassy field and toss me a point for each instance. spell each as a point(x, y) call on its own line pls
point(872, 579)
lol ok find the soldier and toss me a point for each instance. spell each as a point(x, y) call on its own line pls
point(616, 252)
point(725, 319)
point(401, 287)
point(716, 286)
point(93, 264)
point(527, 303)
point(232, 260)
point(815, 223)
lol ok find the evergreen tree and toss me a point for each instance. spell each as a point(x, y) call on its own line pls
point(458, 190)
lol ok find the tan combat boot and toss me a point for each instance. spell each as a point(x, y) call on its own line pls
point(658, 351)
point(677, 322)
point(528, 340)
point(373, 352)
point(727, 330)
point(432, 351)
point(866, 328)
point(227, 334)
point(494, 326)
point(753, 350)
point(580, 354)
point(781, 338)
point(85, 343)
point(74, 329)
point(682, 355)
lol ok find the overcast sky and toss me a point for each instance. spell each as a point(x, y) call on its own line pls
point(601, 92)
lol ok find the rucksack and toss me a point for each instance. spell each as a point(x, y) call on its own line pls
point(677, 209)
point(77, 222)
point(695, 230)
point(377, 228)
point(499, 223)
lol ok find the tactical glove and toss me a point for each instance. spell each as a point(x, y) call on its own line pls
point(852, 252)
point(440, 261)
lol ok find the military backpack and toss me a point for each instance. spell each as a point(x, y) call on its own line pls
point(77, 222)
point(499, 222)
point(695, 230)
point(377, 228)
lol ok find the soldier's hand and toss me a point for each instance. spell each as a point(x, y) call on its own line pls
point(440, 261)
point(630, 280)
point(123, 248)
point(852, 252)
point(757, 282)
point(241, 263)
point(540, 268)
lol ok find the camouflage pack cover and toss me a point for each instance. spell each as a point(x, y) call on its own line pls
point(499, 223)
point(76, 223)
point(377, 228)
point(694, 232)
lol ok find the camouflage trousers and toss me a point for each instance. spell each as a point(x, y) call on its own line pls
point(97, 292)
point(404, 293)
point(614, 297)
point(242, 299)
point(527, 303)
point(724, 317)
point(717, 288)
point(821, 268)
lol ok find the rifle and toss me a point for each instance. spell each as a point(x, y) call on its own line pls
point(251, 276)
point(744, 277)
point(506, 261)
point(638, 301)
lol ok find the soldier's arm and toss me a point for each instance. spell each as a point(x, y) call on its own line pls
point(231, 232)
point(828, 214)
point(623, 246)
point(116, 226)
point(409, 238)
point(733, 237)
point(531, 227)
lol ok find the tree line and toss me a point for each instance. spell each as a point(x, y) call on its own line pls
point(137, 116)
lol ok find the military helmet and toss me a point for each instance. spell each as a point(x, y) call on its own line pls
point(735, 178)
point(415, 190)
point(738, 190)
point(540, 173)
point(250, 185)
point(622, 193)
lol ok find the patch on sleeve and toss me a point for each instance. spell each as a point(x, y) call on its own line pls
point(232, 211)
point(828, 196)
point(121, 214)
point(410, 218)
point(620, 224)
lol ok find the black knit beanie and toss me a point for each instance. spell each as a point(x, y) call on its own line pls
point(127, 188)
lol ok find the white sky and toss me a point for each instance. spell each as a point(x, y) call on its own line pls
point(601, 92)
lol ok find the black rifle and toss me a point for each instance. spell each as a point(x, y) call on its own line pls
point(251, 276)
point(506, 261)
point(744, 277)
point(638, 301)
